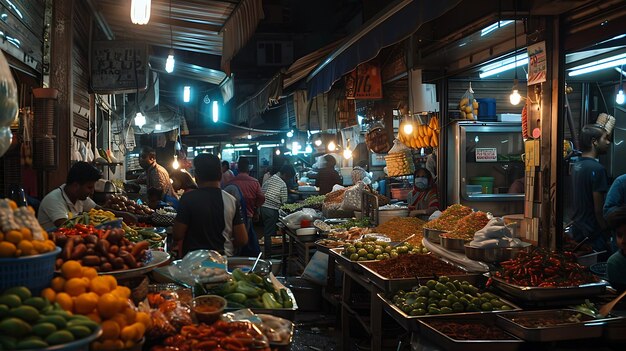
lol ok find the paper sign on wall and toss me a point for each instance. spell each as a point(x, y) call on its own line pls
point(119, 66)
point(486, 154)
point(364, 82)
point(537, 68)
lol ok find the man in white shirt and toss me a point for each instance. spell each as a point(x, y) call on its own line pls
point(71, 198)
point(276, 195)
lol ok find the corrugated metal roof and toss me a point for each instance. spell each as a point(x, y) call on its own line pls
point(304, 65)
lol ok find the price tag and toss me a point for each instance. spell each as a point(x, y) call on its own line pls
point(486, 154)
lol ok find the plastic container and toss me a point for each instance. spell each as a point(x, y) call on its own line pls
point(485, 182)
point(387, 215)
point(487, 109)
point(213, 303)
point(33, 272)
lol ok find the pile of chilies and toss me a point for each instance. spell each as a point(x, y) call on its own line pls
point(541, 268)
point(220, 336)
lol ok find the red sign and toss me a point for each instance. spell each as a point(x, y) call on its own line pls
point(364, 82)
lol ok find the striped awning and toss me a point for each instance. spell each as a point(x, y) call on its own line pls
point(304, 65)
point(239, 28)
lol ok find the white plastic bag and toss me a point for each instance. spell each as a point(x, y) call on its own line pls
point(352, 197)
point(203, 266)
point(293, 220)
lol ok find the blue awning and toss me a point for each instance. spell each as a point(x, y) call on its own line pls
point(398, 21)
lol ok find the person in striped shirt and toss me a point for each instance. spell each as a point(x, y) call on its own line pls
point(275, 190)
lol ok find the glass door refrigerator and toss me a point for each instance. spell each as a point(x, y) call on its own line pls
point(485, 168)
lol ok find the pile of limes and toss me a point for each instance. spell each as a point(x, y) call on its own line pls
point(368, 250)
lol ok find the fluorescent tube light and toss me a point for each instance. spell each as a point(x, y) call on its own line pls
point(186, 93)
point(609, 62)
point(502, 67)
point(494, 26)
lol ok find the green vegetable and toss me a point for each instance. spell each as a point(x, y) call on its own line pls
point(255, 279)
point(270, 302)
point(248, 289)
point(287, 301)
point(239, 275)
point(254, 303)
point(236, 297)
point(227, 288)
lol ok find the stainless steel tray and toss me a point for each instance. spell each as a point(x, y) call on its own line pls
point(433, 235)
point(535, 294)
point(393, 284)
point(494, 254)
point(449, 344)
point(586, 329)
point(452, 244)
point(410, 323)
point(345, 262)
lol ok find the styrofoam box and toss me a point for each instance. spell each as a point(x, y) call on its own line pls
point(510, 117)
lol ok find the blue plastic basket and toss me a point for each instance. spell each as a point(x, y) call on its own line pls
point(34, 272)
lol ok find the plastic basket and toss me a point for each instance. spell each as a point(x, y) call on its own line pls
point(33, 272)
point(598, 269)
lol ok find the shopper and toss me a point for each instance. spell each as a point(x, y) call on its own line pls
point(327, 176)
point(155, 175)
point(71, 198)
point(423, 199)
point(616, 197)
point(590, 184)
point(182, 180)
point(254, 199)
point(275, 190)
point(616, 265)
point(208, 218)
point(227, 174)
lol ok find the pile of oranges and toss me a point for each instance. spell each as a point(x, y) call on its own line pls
point(81, 290)
point(17, 232)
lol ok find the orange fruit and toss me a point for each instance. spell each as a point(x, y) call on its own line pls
point(129, 344)
point(26, 234)
point(49, 294)
point(85, 303)
point(112, 281)
point(141, 330)
point(130, 332)
point(65, 301)
point(109, 305)
point(121, 291)
point(110, 345)
point(27, 247)
point(75, 286)
point(130, 314)
point(120, 319)
point(57, 284)
point(7, 249)
point(145, 319)
point(89, 272)
point(13, 236)
point(94, 317)
point(110, 330)
point(50, 245)
point(13, 205)
point(39, 246)
point(1, 236)
point(44, 234)
point(72, 269)
point(96, 346)
point(100, 285)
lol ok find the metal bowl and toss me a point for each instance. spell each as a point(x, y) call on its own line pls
point(433, 235)
point(494, 254)
point(452, 244)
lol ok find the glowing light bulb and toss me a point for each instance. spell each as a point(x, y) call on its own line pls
point(347, 154)
point(277, 152)
point(515, 97)
point(140, 119)
point(175, 164)
point(249, 136)
point(619, 98)
point(318, 142)
point(308, 149)
point(282, 141)
point(157, 126)
point(169, 63)
point(290, 134)
point(332, 146)
point(408, 128)
point(140, 11)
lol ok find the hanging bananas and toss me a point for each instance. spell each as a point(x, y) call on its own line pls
point(423, 135)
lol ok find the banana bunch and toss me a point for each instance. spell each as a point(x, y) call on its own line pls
point(399, 164)
point(423, 135)
point(468, 111)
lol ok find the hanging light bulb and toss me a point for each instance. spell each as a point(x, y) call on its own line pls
point(169, 63)
point(347, 153)
point(332, 146)
point(282, 141)
point(515, 97)
point(249, 136)
point(140, 119)
point(308, 149)
point(290, 134)
point(157, 126)
point(619, 98)
point(175, 164)
point(318, 142)
point(277, 152)
point(140, 11)
point(408, 127)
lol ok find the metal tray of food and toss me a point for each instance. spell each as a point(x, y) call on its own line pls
point(452, 244)
point(482, 321)
point(345, 262)
point(320, 245)
point(410, 323)
point(287, 313)
point(393, 284)
point(494, 254)
point(433, 235)
point(552, 325)
point(536, 294)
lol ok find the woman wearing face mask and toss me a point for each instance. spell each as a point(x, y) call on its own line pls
point(423, 199)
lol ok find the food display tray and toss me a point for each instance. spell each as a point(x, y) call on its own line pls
point(494, 254)
point(449, 344)
point(586, 329)
point(158, 258)
point(345, 262)
point(393, 284)
point(433, 235)
point(287, 313)
point(452, 244)
point(536, 294)
point(411, 323)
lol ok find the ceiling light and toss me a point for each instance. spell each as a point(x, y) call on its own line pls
point(515, 97)
point(332, 146)
point(308, 149)
point(318, 142)
point(169, 64)
point(186, 93)
point(282, 141)
point(140, 11)
point(408, 128)
point(290, 134)
point(157, 126)
point(249, 136)
point(503, 66)
point(609, 62)
point(347, 154)
point(140, 119)
point(619, 98)
point(277, 151)
point(175, 164)
point(215, 111)
point(493, 27)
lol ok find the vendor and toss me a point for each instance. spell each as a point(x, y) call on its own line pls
point(72, 198)
point(209, 218)
point(155, 175)
point(327, 176)
point(616, 265)
point(423, 200)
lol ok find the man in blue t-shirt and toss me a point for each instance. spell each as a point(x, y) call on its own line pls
point(590, 183)
point(616, 265)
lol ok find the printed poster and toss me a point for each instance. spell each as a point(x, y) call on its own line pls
point(537, 68)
